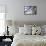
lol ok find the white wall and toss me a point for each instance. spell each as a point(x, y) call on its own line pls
point(15, 10)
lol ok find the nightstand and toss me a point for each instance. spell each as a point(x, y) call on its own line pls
point(6, 40)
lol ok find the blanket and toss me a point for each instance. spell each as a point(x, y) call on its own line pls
point(29, 40)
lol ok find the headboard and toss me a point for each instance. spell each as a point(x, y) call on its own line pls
point(21, 23)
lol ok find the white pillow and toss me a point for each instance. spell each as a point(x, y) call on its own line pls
point(36, 30)
point(42, 30)
point(24, 30)
point(28, 31)
point(13, 30)
point(44, 27)
point(28, 26)
point(21, 30)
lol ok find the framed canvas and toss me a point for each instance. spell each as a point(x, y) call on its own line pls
point(30, 10)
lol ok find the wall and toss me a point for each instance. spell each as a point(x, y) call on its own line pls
point(15, 9)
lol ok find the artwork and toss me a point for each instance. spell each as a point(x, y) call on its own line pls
point(30, 10)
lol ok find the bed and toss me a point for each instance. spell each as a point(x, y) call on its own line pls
point(29, 40)
point(24, 38)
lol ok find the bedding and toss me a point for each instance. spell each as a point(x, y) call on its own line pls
point(44, 29)
point(28, 40)
point(25, 30)
point(36, 30)
point(28, 26)
point(21, 30)
point(28, 29)
point(13, 30)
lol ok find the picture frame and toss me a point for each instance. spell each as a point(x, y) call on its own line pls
point(30, 10)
